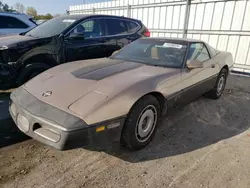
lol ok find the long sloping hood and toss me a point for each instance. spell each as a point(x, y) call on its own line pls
point(67, 83)
point(10, 40)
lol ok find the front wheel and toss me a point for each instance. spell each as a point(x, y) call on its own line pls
point(30, 71)
point(219, 87)
point(141, 122)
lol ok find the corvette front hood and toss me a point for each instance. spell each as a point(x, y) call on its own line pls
point(84, 82)
point(59, 91)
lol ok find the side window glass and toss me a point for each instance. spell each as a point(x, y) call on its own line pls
point(198, 51)
point(132, 26)
point(89, 28)
point(116, 27)
point(7, 22)
point(213, 51)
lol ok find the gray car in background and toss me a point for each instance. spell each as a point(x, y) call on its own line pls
point(15, 23)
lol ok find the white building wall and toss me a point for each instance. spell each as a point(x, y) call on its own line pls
point(223, 24)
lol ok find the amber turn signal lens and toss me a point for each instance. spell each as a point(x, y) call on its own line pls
point(99, 129)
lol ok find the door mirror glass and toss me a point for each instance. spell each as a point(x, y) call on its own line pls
point(192, 64)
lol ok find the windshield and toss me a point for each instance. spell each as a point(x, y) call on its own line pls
point(51, 28)
point(155, 52)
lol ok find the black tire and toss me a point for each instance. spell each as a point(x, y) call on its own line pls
point(30, 71)
point(215, 93)
point(136, 118)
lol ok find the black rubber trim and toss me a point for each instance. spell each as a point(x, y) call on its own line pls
point(190, 87)
point(240, 73)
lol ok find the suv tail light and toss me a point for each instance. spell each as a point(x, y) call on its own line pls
point(146, 33)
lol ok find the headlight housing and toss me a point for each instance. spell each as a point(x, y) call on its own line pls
point(3, 47)
point(13, 109)
point(22, 123)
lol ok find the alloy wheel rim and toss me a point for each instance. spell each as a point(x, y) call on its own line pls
point(146, 123)
point(220, 85)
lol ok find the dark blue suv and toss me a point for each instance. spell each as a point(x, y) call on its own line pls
point(64, 39)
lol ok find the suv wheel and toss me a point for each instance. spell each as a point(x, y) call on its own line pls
point(30, 71)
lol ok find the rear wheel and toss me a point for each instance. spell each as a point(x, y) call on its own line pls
point(141, 122)
point(219, 86)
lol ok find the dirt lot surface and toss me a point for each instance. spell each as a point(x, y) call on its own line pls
point(205, 144)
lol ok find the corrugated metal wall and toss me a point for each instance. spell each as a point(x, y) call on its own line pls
point(223, 24)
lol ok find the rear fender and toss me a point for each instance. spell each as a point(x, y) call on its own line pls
point(225, 58)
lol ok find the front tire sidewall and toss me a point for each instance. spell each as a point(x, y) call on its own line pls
point(224, 75)
point(213, 93)
point(130, 130)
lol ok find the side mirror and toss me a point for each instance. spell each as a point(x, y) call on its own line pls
point(192, 64)
point(75, 36)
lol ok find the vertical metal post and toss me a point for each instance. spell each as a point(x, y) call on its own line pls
point(244, 15)
point(93, 10)
point(227, 42)
point(128, 11)
point(212, 19)
point(195, 15)
point(247, 53)
point(178, 27)
point(187, 13)
point(165, 18)
point(231, 24)
point(204, 12)
point(241, 27)
point(153, 16)
point(172, 17)
point(159, 18)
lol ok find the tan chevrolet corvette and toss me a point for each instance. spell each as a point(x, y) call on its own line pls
point(121, 97)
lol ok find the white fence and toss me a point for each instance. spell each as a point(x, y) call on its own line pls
point(224, 24)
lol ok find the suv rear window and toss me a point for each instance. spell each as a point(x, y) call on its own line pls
point(7, 22)
point(116, 26)
point(132, 26)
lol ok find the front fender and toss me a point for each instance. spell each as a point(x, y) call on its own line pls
point(119, 104)
point(54, 49)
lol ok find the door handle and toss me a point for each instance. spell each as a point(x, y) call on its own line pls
point(213, 65)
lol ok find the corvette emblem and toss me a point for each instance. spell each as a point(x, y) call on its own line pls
point(47, 94)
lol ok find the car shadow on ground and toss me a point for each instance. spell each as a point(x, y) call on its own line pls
point(200, 124)
point(9, 133)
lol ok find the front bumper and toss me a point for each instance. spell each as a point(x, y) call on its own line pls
point(59, 135)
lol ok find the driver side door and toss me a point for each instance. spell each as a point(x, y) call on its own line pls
point(198, 81)
point(90, 45)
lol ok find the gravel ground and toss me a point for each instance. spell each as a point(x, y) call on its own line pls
point(205, 144)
